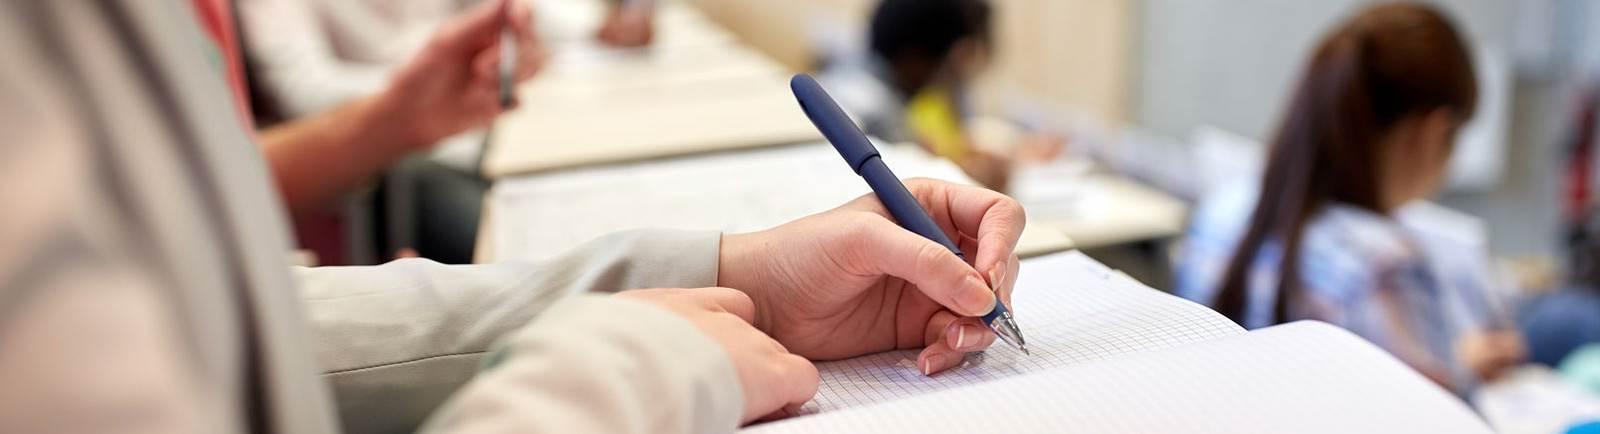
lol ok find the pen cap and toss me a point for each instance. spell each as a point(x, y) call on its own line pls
point(831, 120)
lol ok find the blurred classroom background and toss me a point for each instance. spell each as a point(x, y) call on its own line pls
point(1197, 82)
point(1188, 72)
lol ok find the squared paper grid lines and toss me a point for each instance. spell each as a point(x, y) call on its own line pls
point(1071, 309)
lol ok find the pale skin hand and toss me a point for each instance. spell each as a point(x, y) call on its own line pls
point(1491, 354)
point(628, 25)
point(450, 86)
point(849, 281)
point(453, 85)
point(772, 378)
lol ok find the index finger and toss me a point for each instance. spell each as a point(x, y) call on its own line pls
point(531, 52)
point(994, 219)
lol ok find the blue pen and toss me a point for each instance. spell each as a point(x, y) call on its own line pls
point(863, 158)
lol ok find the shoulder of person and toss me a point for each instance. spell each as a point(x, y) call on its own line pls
point(1348, 247)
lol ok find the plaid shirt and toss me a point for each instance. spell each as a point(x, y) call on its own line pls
point(1400, 282)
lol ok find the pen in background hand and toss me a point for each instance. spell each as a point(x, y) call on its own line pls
point(508, 56)
point(863, 158)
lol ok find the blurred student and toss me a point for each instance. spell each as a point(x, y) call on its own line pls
point(335, 71)
point(1370, 128)
point(913, 83)
point(144, 286)
point(1557, 324)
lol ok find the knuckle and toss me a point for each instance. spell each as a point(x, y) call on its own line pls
point(733, 296)
point(929, 255)
point(1012, 209)
point(776, 367)
point(777, 347)
point(727, 319)
point(861, 225)
point(920, 182)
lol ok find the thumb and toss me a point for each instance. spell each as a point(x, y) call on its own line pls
point(881, 247)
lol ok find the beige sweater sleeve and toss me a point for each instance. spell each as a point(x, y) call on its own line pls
point(581, 368)
point(396, 340)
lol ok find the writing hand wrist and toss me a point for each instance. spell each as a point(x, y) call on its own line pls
point(394, 125)
point(849, 281)
point(737, 268)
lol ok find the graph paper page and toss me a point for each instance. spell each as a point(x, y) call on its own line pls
point(1070, 308)
point(1304, 377)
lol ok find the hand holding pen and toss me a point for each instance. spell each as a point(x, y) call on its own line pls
point(520, 53)
point(456, 81)
point(850, 281)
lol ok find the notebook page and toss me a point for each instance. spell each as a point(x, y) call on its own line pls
point(1304, 377)
point(1070, 308)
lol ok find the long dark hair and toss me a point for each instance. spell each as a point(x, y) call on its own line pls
point(1389, 63)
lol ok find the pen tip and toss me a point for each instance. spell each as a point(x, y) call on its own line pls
point(1024, 349)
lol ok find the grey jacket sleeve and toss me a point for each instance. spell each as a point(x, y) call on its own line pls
point(394, 341)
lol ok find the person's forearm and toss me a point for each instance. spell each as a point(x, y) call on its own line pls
point(378, 330)
point(317, 159)
point(600, 364)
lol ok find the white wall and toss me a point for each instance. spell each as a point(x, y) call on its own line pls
point(1231, 63)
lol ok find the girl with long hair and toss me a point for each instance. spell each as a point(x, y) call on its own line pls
point(1369, 129)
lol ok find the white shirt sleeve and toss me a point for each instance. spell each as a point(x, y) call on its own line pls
point(293, 60)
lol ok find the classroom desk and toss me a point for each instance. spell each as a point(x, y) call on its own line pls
point(595, 105)
point(537, 216)
point(653, 124)
point(566, 24)
point(1098, 209)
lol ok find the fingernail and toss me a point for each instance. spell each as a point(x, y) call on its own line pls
point(994, 279)
point(977, 302)
point(961, 337)
point(929, 362)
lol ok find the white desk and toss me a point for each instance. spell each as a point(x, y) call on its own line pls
point(684, 95)
point(538, 216)
point(570, 25)
point(1099, 209)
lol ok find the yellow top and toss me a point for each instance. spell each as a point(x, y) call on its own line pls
point(932, 118)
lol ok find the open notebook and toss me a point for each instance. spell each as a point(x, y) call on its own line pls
point(1111, 355)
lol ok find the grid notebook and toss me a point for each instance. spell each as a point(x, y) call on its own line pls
point(1070, 308)
point(1114, 356)
point(1303, 377)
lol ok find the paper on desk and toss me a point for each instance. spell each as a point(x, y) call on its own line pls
point(1071, 309)
point(1534, 399)
point(734, 192)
